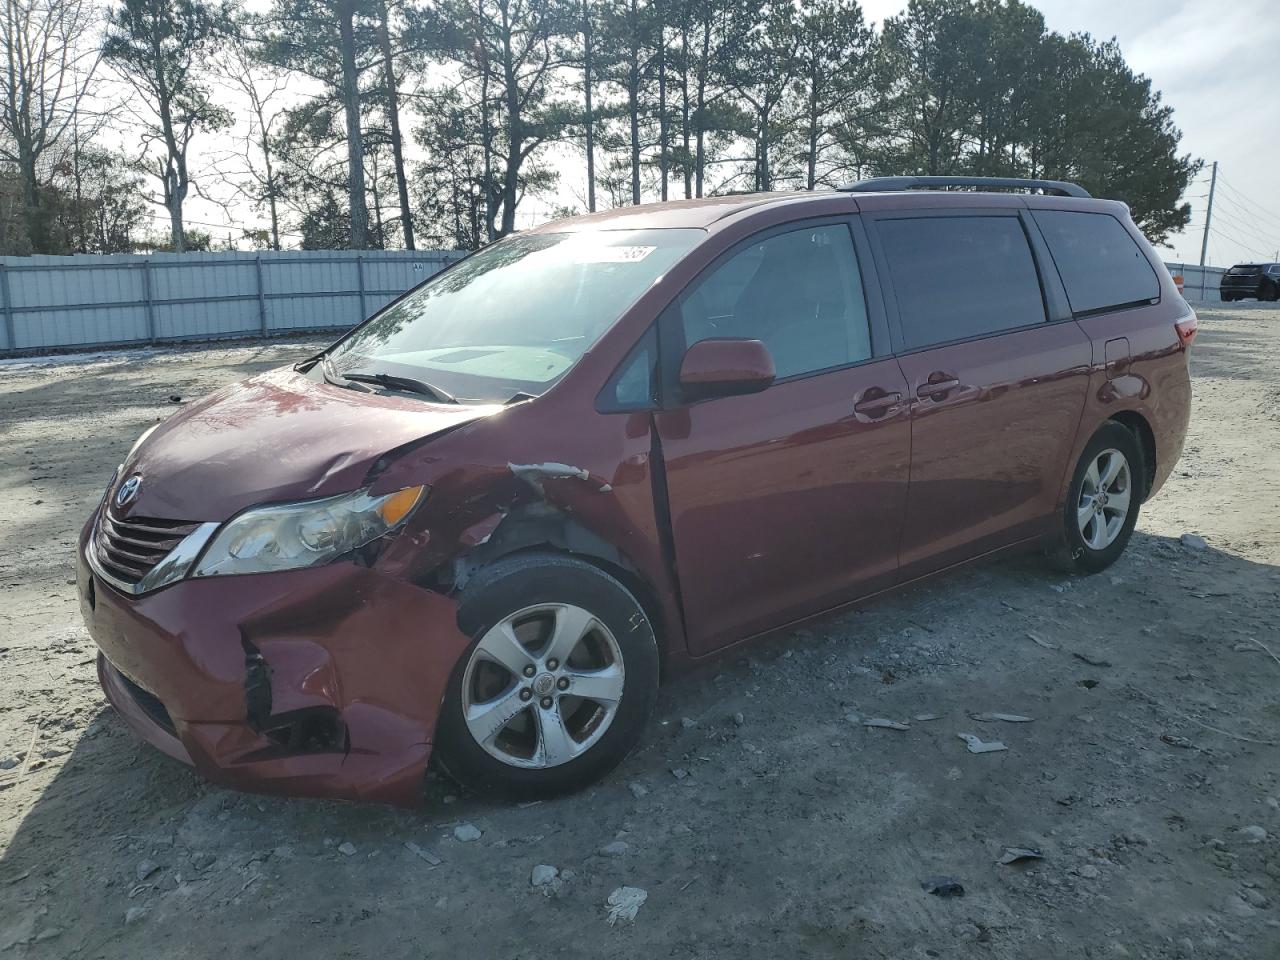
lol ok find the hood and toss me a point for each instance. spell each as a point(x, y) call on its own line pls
point(277, 436)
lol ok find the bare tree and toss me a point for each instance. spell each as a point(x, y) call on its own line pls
point(330, 41)
point(263, 88)
point(49, 58)
point(158, 47)
point(391, 94)
point(512, 48)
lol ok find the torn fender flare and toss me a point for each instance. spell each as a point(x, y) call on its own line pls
point(534, 473)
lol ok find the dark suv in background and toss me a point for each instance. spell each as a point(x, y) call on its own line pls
point(1261, 280)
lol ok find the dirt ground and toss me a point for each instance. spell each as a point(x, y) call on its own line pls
point(761, 817)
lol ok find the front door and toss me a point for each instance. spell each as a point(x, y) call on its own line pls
point(785, 502)
point(996, 383)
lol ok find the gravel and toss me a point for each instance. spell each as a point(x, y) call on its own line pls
point(807, 835)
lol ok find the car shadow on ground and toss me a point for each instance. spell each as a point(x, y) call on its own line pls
point(125, 851)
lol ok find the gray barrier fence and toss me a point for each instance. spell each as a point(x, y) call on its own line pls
point(1198, 283)
point(49, 303)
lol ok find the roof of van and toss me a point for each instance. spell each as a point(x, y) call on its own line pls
point(705, 212)
point(672, 213)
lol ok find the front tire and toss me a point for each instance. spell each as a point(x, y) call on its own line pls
point(558, 682)
point(1106, 491)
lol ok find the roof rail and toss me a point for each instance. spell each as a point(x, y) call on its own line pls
point(1058, 188)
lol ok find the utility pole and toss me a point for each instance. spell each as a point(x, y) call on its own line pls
point(1208, 213)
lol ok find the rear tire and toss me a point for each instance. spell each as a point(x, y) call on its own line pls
point(558, 683)
point(1106, 492)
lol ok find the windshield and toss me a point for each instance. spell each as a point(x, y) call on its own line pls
point(514, 317)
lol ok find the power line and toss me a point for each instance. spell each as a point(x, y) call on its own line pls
point(1250, 222)
point(1239, 243)
point(1246, 205)
point(1241, 214)
point(1253, 203)
point(1238, 224)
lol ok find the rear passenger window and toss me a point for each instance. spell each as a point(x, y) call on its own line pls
point(960, 277)
point(800, 293)
point(1100, 263)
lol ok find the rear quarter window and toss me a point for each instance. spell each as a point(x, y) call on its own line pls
point(1101, 265)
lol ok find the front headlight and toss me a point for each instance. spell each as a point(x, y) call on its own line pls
point(287, 536)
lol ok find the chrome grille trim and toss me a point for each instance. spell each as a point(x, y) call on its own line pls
point(137, 555)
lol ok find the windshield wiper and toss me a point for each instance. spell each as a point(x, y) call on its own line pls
point(393, 382)
point(304, 366)
point(331, 374)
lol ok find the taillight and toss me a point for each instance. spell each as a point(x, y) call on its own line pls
point(1186, 330)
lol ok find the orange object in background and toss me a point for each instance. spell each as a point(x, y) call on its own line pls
point(1177, 280)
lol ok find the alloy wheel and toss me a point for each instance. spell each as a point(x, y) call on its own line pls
point(1105, 496)
point(542, 685)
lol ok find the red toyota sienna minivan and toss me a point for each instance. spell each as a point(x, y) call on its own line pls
point(483, 523)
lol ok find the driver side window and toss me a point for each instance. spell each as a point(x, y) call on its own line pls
point(800, 293)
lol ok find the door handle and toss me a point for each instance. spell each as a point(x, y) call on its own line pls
point(937, 389)
point(876, 403)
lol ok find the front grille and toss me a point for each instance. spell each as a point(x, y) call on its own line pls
point(149, 703)
point(129, 547)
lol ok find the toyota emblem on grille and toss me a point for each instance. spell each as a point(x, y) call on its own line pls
point(128, 490)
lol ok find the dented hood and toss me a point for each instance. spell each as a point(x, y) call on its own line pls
point(277, 436)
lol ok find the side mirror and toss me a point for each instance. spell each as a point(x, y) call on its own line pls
point(724, 368)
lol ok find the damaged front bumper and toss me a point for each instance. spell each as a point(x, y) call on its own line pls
point(322, 682)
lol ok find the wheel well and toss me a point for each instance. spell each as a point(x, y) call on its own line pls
point(553, 532)
point(1137, 424)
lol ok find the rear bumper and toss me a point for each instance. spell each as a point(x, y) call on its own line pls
point(1249, 287)
point(324, 682)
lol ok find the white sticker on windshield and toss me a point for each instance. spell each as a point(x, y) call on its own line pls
point(615, 254)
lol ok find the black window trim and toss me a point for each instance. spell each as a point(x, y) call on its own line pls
point(671, 346)
point(1052, 294)
point(605, 402)
point(1116, 308)
point(1113, 308)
